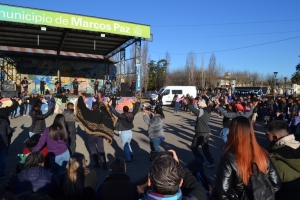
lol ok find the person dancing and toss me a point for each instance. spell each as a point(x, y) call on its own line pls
point(98, 123)
point(202, 131)
point(124, 125)
point(155, 131)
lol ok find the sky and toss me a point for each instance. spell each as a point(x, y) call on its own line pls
point(259, 35)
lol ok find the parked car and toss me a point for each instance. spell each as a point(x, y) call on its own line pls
point(148, 95)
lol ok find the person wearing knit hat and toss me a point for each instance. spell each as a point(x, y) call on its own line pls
point(239, 107)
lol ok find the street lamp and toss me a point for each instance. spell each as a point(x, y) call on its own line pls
point(285, 78)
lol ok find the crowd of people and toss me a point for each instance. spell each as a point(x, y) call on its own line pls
point(51, 168)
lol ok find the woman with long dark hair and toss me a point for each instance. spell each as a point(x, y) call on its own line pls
point(38, 124)
point(234, 168)
point(155, 131)
point(77, 182)
point(56, 138)
point(34, 177)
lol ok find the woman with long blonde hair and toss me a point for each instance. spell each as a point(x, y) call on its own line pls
point(234, 168)
point(77, 182)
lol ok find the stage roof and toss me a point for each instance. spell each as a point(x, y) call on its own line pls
point(25, 27)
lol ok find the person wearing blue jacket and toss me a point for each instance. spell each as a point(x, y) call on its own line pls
point(51, 102)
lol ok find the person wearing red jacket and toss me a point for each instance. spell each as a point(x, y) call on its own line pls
point(29, 145)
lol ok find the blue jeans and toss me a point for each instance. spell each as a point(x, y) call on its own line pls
point(126, 137)
point(154, 144)
point(224, 133)
point(113, 90)
point(3, 150)
point(59, 162)
point(28, 108)
point(176, 107)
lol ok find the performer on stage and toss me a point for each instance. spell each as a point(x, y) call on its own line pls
point(24, 84)
point(96, 85)
point(133, 86)
point(58, 86)
point(75, 86)
point(42, 86)
point(98, 124)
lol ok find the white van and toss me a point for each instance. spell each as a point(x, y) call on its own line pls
point(170, 91)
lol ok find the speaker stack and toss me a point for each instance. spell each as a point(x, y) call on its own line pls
point(125, 87)
point(8, 89)
point(125, 90)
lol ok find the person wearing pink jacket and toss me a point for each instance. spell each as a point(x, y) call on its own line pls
point(177, 100)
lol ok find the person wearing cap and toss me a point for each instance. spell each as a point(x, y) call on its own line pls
point(202, 132)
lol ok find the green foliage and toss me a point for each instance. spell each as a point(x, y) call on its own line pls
point(298, 68)
point(296, 78)
point(156, 74)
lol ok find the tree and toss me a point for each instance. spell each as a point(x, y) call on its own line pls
point(151, 70)
point(190, 68)
point(162, 66)
point(213, 72)
point(296, 76)
point(157, 74)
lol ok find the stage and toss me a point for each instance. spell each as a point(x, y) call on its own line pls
point(124, 101)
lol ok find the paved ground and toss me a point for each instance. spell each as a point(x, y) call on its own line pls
point(179, 131)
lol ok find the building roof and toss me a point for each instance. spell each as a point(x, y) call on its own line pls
point(65, 32)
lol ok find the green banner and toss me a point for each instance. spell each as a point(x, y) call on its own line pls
point(72, 21)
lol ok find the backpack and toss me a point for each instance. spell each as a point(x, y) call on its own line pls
point(259, 188)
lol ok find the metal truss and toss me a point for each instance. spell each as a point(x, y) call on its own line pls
point(123, 46)
point(9, 66)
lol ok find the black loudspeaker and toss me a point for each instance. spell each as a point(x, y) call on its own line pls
point(126, 93)
point(8, 87)
point(9, 94)
point(125, 87)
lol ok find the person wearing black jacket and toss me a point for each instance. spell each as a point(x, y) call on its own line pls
point(42, 86)
point(117, 180)
point(64, 99)
point(38, 120)
point(202, 132)
point(242, 149)
point(114, 100)
point(5, 137)
point(190, 188)
point(124, 126)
